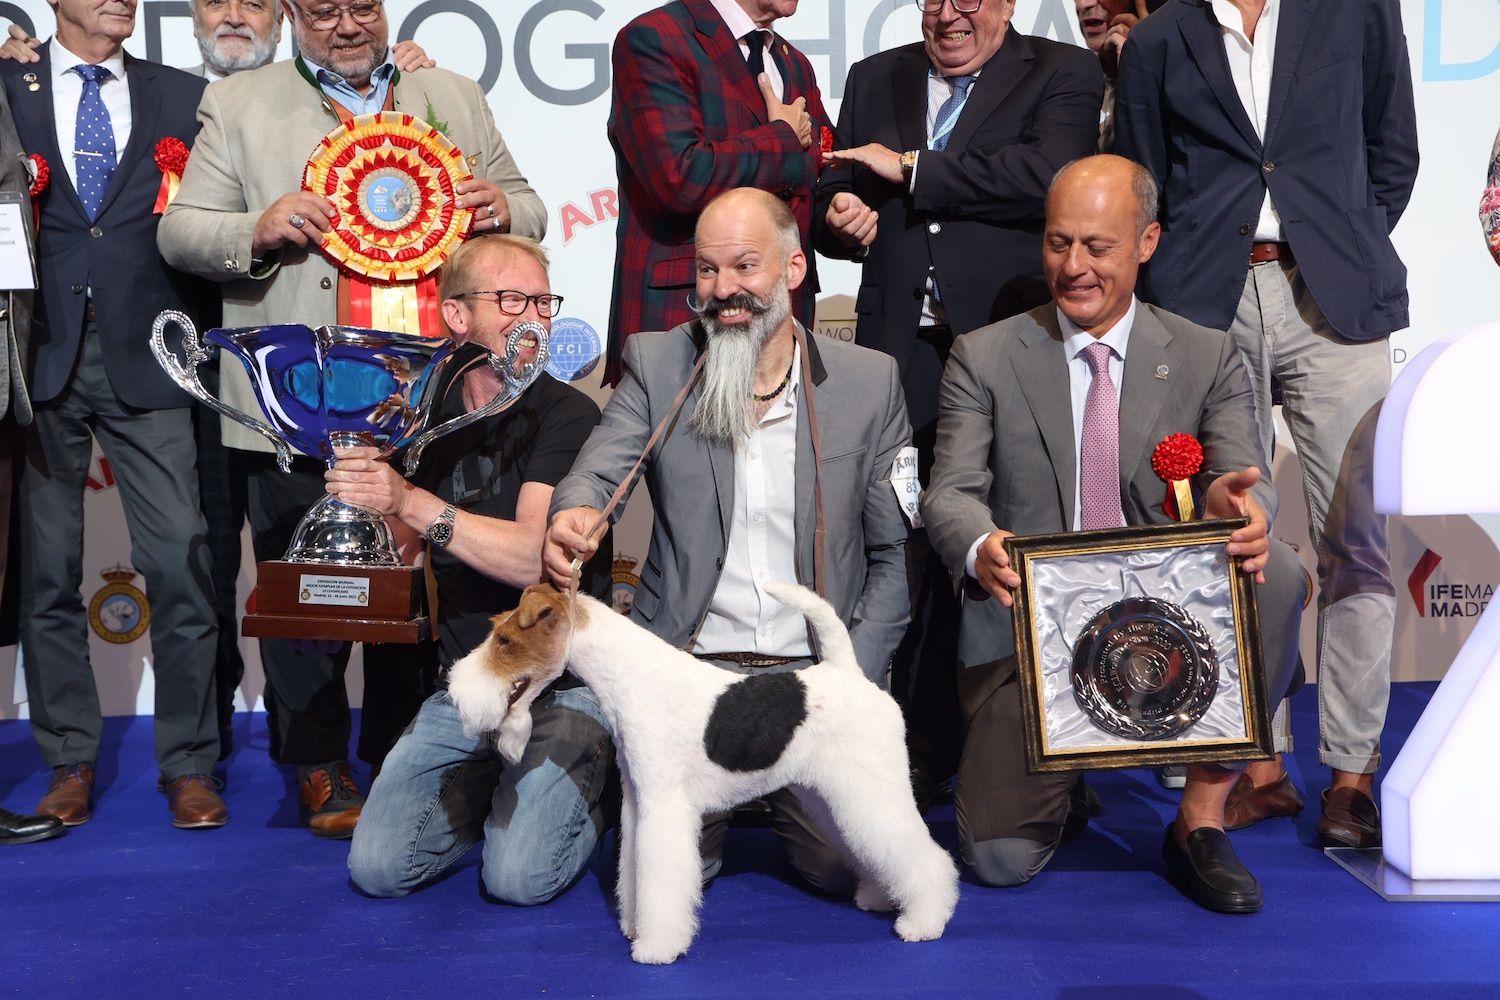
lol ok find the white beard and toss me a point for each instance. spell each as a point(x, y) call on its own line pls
point(726, 402)
point(260, 52)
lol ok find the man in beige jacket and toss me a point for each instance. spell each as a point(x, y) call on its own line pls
point(241, 218)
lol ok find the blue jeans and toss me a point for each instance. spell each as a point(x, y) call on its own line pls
point(440, 792)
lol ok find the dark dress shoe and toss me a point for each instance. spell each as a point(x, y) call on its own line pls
point(332, 800)
point(1350, 819)
point(194, 801)
point(68, 796)
point(18, 829)
point(1248, 805)
point(1209, 872)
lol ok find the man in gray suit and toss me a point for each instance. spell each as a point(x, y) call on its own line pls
point(1034, 437)
point(15, 408)
point(242, 219)
point(733, 486)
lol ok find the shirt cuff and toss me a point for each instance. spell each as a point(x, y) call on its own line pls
point(911, 185)
point(973, 556)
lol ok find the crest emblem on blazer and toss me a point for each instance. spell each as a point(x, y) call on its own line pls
point(119, 612)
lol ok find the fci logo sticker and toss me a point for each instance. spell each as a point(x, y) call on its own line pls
point(119, 612)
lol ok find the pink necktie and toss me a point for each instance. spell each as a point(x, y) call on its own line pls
point(1099, 454)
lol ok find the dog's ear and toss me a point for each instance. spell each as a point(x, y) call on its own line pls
point(497, 620)
point(537, 606)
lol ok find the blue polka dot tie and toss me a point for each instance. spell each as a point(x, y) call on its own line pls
point(93, 141)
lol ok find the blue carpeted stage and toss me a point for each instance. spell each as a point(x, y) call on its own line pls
point(126, 906)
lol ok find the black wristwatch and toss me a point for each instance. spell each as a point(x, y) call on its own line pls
point(440, 531)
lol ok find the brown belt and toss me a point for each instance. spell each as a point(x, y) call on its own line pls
point(1261, 253)
point(750, 659)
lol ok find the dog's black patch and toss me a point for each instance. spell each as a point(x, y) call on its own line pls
point(754, 720)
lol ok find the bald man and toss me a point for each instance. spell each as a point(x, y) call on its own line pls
point(1014, 399)
point(732, 481)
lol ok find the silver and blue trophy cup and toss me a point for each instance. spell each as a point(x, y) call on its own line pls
point(338, 387)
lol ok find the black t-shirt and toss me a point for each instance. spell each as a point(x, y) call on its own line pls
point(480, 469)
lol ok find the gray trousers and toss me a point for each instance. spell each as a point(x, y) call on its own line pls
point(152, 454)
point(1331, 393)
point(1011, 820)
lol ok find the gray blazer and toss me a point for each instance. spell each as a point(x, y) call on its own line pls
point(862, 423)
point(1005, 439)
point(258, 129)
point(15, 324)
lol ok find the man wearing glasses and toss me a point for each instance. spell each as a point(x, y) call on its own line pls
point(489, 484)
point(957, 183)
point(241, 218)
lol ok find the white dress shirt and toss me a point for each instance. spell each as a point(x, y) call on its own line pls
point(1080, 378)
point(740, 25)
point(939, 89)
point(1250, 64)
point(67, 90)
point(762, 548)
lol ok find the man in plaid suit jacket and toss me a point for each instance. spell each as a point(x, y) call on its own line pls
point(689, 120)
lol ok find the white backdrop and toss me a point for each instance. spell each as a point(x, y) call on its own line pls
point(545, 67)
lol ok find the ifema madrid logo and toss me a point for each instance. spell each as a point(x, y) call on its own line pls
point(119, 612)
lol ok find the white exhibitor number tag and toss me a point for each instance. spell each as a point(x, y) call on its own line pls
point(908, 488)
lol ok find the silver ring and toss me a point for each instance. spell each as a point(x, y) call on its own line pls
point(491, 207)
point(296, 220)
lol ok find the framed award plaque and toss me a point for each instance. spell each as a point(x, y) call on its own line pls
point(1138, 647)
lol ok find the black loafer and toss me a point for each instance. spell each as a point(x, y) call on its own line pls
point(18, 829)
point(1209, 872)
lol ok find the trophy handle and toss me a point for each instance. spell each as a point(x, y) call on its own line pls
point(515, 378)
point(186, 377)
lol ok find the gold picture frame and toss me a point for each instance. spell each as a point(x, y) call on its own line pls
point(1105, 589)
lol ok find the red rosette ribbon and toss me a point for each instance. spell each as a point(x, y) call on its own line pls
point(41, 177)
point(825, 139)
point(171, 160)
point(41, 174)
point(1176, 460)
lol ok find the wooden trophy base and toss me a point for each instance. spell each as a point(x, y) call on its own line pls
point(348, 603)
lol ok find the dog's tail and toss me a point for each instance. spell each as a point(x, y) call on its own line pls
point(833, 637)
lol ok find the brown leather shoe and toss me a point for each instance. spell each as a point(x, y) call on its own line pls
point(1248, 805)
point(332, 799)
point(1350, 819)
point(194, 801)
point(68, 796)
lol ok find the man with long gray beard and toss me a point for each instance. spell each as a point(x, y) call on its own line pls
point(783, 438)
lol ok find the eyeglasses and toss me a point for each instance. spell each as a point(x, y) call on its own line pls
point(514, 303)
point(325, 18)
point(959, 6)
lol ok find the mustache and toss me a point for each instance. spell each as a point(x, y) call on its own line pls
point(711, 309)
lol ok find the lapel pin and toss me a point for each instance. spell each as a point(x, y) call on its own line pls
point(1161, 371)
point(31, 83)
point(783, 48)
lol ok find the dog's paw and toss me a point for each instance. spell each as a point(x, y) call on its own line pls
point(627, 927)
point(872, 897)
point(915, 927)
point(657, 951)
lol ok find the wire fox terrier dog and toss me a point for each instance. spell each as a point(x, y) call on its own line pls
point(693, 739)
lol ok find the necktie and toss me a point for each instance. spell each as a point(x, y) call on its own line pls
point(947, 114)
point(1099, 451)
point(93, 140)
point(756, 41)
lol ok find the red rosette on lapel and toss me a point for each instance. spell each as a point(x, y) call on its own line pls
point(1176, 460)
point(171, 160)
point(41, 177)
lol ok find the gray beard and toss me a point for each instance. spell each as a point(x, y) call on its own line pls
point(261, 52)
point(725, 411)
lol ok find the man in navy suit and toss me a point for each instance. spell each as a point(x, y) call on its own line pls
point(1283, 135)
point(96, 115)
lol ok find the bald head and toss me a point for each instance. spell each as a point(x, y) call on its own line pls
point(752, 209)
point(1101, 227)
point(1122, 177)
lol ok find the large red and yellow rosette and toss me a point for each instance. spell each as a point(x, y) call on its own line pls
point(1176, 459)
point(391, 178)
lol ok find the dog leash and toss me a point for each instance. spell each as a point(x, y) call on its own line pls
point(672, 413)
